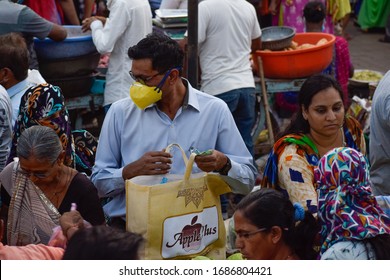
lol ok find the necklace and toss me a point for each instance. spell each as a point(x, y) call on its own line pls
point(57, 195)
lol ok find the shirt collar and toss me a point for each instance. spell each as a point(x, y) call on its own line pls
point(15, 89)
point(190, 98)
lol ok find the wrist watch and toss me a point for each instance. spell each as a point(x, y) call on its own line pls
point(225, 169)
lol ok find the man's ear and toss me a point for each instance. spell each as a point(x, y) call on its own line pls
point(174, 75)
point(5, 74)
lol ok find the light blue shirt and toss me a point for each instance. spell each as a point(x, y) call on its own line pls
point(128, 132)
point(349, 250)
point(15, 94)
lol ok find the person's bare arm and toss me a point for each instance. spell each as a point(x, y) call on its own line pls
point(70, 12)
point(88, 6)
point(256, 44)
point(58, 33)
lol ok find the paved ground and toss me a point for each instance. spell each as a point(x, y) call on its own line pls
point(366, 51)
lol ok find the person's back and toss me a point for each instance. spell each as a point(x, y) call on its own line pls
point(128, 23)
point(19, 18)
point(380, 138)
point(226, 29)
point(228, 32)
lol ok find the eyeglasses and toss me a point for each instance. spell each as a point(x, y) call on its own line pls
point(141, 79)
point(247, 235)
point(39, 175)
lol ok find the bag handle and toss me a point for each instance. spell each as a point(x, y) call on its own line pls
point(169, 148)
point(189, 162)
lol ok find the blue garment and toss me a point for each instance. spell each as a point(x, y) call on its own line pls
point(241, 103)
point(350, 250)
point(128, 133)
point(15, 94)
point(155, 4)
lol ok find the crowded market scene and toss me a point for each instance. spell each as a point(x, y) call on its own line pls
point(195, 130)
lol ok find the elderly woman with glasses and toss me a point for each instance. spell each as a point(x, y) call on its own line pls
point(38, 187)
point(269, 227)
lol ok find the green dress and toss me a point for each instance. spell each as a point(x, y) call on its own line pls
point(373, 13)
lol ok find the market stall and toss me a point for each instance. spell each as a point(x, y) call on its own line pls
point(283, 64)
point(72, 65)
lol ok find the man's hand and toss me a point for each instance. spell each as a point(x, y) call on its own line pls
point(213, 162)
point(151, 163)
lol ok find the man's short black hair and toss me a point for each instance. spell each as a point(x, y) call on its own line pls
point(164, 52)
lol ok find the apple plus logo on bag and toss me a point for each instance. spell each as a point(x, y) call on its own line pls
point(190, 233)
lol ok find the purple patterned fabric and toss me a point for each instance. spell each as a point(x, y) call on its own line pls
point(44, 105)
point(347, 210)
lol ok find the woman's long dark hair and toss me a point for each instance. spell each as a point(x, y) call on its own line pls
point(309, 89)
point(381, 246)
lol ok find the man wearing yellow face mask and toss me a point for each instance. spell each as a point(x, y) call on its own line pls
point(165, 109)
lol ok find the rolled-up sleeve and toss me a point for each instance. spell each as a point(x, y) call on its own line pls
point(105, 37)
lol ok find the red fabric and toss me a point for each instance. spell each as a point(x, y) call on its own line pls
point(45, 8)
point(342, 63)
point(264, 10)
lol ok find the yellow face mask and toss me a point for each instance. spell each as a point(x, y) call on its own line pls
point(143, 95)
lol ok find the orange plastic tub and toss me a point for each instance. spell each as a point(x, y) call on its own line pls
point(298, 63)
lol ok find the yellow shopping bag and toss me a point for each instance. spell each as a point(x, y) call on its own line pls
point(181, 218)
